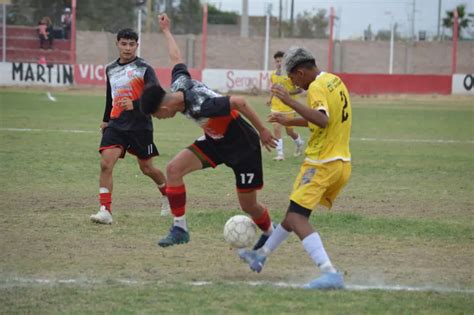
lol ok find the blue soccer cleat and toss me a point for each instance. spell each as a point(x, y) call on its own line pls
point(255, 260)
point(328, 281)
point(176, 236)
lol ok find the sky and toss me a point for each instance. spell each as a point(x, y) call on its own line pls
point(356, 15)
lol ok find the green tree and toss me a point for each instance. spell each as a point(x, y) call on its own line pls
point(92, 15)
point(312, 25)
point(30, 12)
point(463, 19)
point(386, 34)
point(111, 15)
point(185, 16)
point(216, 16)
point(189, 17)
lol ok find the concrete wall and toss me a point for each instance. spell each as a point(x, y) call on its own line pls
point(234, 52)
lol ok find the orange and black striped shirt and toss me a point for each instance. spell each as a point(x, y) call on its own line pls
point(127, 81)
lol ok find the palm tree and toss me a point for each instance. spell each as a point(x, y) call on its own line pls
point(463, 19)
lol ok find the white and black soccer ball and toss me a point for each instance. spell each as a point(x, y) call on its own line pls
point(240, 231)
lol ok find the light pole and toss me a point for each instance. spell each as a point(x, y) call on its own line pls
point(139, 30)
point(267, 36)
point(439, 19)
point(392, 35)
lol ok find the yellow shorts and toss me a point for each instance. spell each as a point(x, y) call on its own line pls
point(320, 184)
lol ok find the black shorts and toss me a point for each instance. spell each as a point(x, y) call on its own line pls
point(137, 142)
point(248, 170)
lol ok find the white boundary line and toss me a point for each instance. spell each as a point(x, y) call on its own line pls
point(413, 140)
point(360, 287)
point(430, 141)
point(19, 282)
point(46, 130)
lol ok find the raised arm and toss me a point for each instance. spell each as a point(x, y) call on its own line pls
point(173, 50)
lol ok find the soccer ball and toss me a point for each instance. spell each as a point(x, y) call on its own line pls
point(240, 231)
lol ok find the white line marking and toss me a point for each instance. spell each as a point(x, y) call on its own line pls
point(19, 281)
point(352, 287)
point(431, 141)
point(45, 130)
point(413, 140)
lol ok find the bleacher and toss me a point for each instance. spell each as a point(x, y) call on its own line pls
point(23, 45)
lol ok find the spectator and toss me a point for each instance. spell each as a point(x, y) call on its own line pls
point(66, 23)
point(45, 29)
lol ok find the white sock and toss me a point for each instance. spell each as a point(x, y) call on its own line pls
point(278, 236)
point(298, 141)
point(279, 147)
point(103, 190)
point(180, 222)
point(314, 247)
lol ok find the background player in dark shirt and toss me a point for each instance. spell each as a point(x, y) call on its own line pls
point(228, 139)
point(125, 127)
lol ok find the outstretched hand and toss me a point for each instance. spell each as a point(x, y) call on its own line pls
point(164, 22)
point(267, 139)
point(277, 118)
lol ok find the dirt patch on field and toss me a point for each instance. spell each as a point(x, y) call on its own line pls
point(59, 242)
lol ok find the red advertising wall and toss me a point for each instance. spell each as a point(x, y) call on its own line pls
point(365, 84)
point(95, 75)
point(368, 84)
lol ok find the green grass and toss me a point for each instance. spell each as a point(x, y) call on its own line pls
point(405, 217)
point(186, 299)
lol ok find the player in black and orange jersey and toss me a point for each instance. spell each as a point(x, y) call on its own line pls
point(124, 126)
point(228, 139)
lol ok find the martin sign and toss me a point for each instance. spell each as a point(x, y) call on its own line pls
point(22, 73)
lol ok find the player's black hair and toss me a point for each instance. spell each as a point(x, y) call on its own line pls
point(127, 33)
point(278, 54)
point(151, 99)
point(298, 57)
point(307, 64)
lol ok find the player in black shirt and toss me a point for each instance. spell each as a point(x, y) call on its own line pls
point(124, 127)
point(228, 139)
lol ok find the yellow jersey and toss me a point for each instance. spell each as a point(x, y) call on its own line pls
point(283, 80)
point(329, 94)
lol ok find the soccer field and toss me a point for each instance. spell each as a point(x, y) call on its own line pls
point(402, 231)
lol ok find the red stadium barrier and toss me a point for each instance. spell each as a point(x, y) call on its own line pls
point(368, 84)
point(22, 73)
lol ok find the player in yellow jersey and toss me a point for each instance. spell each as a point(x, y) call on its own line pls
point(327, 166)
point(277, 106)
